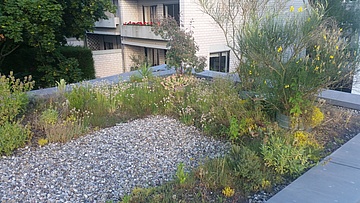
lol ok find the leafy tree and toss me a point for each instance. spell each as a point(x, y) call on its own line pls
point(46, 23)
point(182, 52)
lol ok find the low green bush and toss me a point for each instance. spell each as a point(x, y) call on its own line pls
point(249, 169)
point(73, 64)
point(12, 136)
point(13, 100)
point(13, 97)
point(84, 58)
point(289, 154)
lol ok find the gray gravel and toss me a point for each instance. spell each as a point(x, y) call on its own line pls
point(106, 164)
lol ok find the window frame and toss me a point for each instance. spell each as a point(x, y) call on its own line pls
point(223, 62)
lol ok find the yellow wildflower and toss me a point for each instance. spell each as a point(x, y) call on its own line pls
point(324, 37)
point(336, 47)
point(340, 29)
point(287, 86)
point(316, 68)
point(228, 192)
point(331, 57)
point(279, 49)
point(300, 9)
point(292, 8)
point(250, 72)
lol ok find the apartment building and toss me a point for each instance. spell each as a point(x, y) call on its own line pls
point(128, 33)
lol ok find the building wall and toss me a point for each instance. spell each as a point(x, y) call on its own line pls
point(129, 11)
point(208, 36)
point(161, 56)
point(130, 51)
point(107, 62)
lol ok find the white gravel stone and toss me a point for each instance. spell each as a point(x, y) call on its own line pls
point(106, 164)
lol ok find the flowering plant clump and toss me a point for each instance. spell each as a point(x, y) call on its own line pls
point(290, 59)
point(139, 23)
point(228, 192)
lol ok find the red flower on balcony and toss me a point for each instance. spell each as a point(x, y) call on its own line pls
point(140, 23)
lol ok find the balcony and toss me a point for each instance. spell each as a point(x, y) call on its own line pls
point(112, 22)
point(136, 31)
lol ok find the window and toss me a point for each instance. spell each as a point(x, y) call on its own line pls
point(152, 56)
point(108, 45)
point(149, 13)
point(102, 42)
point(172, 10)
point(220, 61)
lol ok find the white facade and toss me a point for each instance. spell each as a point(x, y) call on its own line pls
point(136, 40)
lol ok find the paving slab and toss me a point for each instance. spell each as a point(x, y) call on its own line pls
point(348, 154)
point(335, 179)
point(343, 99)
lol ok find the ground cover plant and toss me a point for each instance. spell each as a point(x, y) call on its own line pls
point(215, 107)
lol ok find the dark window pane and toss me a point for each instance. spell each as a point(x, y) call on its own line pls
point(219, 62)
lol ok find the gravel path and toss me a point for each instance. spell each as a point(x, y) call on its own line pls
point(106, 164)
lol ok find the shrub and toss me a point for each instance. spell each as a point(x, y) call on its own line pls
point(54, 66)
point(248, 169)
point(289, 60)
point(84, 58)
point(73, 64)
point(12, 136)
point(21, 62)
point(13, 97)
point(290, 154)
point(49, 117)
point(63, 129)
point(79, 97)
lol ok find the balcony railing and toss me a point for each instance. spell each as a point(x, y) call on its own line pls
point(112, 22)
point(138, 31)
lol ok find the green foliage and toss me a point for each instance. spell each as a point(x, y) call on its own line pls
point(13, 100)
point(290, 59)
point(34, 23)
point(181, 175)
point(182, 52)
point(141, 99)
point(234, 129)
point(62, 128)
point(80, 97)
point(45, 24)
point(290, 154)
point(84, 58)
point(12, 136)
point(144, 73)
point(61, 85)
point(49, 116)
point(214, 106)
point(13, 97)
point(54, 66)
point(73, 64)
point(248, 167)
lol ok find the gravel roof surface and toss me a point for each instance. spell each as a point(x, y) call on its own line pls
point(106, 164)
